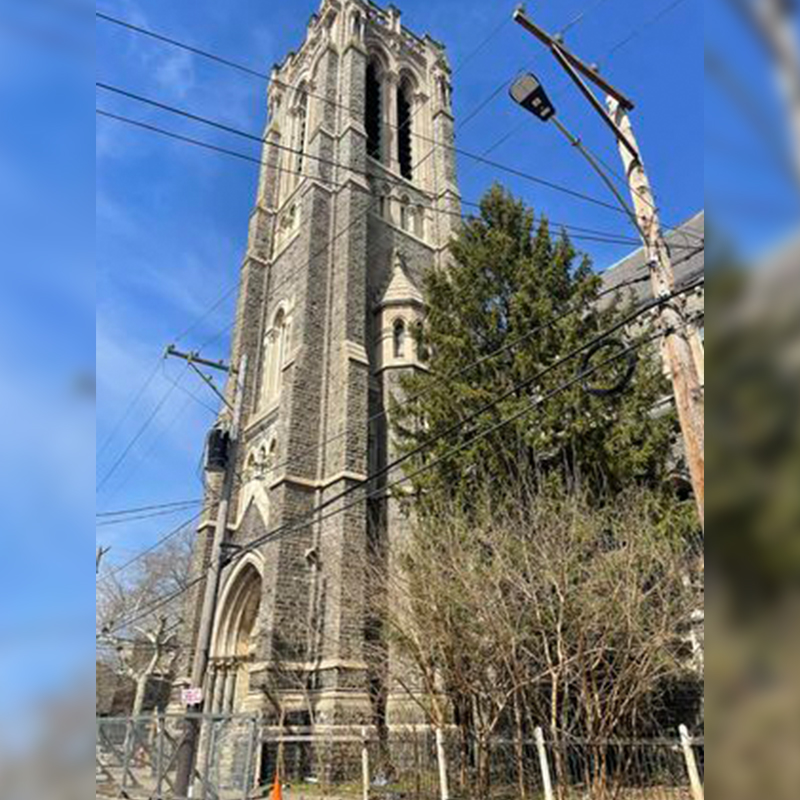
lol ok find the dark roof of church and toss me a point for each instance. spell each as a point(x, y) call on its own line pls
point(686, 245)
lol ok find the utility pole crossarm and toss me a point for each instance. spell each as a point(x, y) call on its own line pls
point(195, 358)
point(562, 56)
point(521, 18)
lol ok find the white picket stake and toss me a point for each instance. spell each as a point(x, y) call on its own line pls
point(365, 761)
point(691, 764)
point(547, 783)
point(441, 757)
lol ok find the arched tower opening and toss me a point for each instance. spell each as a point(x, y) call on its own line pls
point(373, 111)
point(405, 93)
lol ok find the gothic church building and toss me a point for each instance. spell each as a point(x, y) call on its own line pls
point(357, 198)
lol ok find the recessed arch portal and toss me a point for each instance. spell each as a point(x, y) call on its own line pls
point(235, 638)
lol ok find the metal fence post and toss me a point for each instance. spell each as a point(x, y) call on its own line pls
point(210, 745)
point(691, 764)
point(547, 783)
point(248, 769)
point(365, 761)
point(160, 722)
point(126, 752)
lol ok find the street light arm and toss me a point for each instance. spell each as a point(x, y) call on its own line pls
point(578, 145)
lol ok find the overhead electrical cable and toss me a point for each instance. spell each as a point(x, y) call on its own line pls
point(283, 531)
point(557, 187)
point(144, 509)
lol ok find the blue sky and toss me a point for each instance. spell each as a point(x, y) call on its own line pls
point(171, 223)
point(46, 339)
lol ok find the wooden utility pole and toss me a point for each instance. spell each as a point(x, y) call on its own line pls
point(677, 349)
point(187, 754)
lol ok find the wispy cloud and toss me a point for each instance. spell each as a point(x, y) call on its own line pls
point(175, 73)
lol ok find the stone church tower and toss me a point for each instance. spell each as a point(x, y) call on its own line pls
point(357, 198)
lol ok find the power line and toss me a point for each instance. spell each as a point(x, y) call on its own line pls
point(478, 362)
point(464, 121)
point(587, 234)
point(277, 81)
point(160, 543)
point(137, 518)
point(249, 158)
point(642, 28)
point(383, 491)
point(578, 236)
point(144, 509)
point(581, 377)
point(591, 234)
point(115, 466)
point(581, 16)
point(513, 391)
point(284, 530)
point(337, 235)
point(481, 159)
point(578, 195)
point(145, 386)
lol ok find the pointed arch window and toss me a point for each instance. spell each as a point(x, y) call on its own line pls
point(357, 26)
point(399, 338)
point(373, 112)
point(405, 212)
point(444, 92)
point(419, 222)
point(301, 130)
point(276, 348)
point(404, 121)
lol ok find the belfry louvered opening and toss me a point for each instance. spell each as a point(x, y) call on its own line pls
point(373, 111)
point(404, 122)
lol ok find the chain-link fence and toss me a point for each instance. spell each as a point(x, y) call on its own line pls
point(239, 758)
point(137, 757)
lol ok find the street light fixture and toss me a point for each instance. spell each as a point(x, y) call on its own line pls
point(528, 92)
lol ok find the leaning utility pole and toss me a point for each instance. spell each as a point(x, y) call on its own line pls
point(677, 350)
point(187, 754)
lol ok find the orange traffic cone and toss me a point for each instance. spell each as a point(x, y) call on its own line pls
point(277, 793)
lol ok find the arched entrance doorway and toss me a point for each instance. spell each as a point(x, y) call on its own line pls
point(234, 649)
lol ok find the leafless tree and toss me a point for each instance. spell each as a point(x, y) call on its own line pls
point(539, 608)
point(135, 632)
